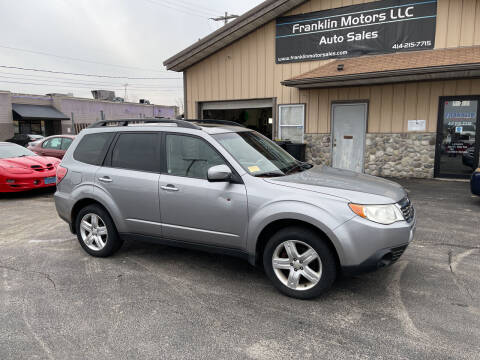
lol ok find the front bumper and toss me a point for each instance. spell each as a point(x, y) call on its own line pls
point(368, 246)
point(24, 182)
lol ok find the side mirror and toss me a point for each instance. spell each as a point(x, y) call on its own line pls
point(219, 173)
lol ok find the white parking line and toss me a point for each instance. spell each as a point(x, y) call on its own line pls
point(36, 241)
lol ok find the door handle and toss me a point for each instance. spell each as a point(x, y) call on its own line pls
point(105, 179)
point(169, 187)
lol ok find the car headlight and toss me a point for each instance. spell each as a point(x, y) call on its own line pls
point(382, 214)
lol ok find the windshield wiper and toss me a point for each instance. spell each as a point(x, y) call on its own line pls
point(270, 174)
point(299, 166)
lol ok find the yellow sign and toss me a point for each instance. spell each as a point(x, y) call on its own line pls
point(253, 169)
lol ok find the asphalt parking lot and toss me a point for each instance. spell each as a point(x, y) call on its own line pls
point(152, 301)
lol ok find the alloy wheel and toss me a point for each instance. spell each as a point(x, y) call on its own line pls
point(93, 231)
point(297, 265)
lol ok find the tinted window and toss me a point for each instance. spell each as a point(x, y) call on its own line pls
point(53, 143)
point(92, 148)
point(66, 142)
point(137, 152)
point(190, 156)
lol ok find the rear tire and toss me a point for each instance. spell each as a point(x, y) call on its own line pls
point(299, 263)
point(96, 231)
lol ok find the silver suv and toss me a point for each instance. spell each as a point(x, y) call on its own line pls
point(217, 187)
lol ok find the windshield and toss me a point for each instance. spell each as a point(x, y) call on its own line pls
point(13, 151)
point(259, 155)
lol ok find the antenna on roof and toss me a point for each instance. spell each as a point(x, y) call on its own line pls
point(225, 18)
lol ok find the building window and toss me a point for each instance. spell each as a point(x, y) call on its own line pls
point(291, 122)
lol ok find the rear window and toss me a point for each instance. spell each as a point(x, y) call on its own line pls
point(92, 148)
point(137, 151)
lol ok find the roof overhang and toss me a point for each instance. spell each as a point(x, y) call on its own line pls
point(243, 25)
point(37, 112)
point(388, 77)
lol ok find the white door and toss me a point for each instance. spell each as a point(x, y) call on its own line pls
point(349, 127)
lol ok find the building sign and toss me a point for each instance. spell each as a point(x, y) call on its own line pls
point(379, 27)
point(417, 125)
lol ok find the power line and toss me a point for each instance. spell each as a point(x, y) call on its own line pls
point(184, 11)
point(88, 75)
point(76, 81)
point(83, 87)
point(196, 5)
point(191, 8)
point(59, 83)
point(77, 59)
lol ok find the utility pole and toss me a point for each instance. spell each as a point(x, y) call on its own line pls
point(74, 131)
point(224, 18)
point(125, 94)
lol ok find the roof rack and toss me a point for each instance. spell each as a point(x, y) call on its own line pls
point(126, 122)
point(212, 121)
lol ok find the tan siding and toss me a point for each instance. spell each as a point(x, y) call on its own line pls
point(411, 101)
point(464, 87)
point(323, 125)
point(454, 23)
point(442, 24)
point(247, 70)
point(475, 86)
point(222, 75)
point(468, 23)
point(436, 90)
point(386, 108)
point(270, 59)
point(398, 110)
point(375, 109)
point(476, 29)
point(230, 74)
point(312, 112)
point(423, 101)
point(261, 71)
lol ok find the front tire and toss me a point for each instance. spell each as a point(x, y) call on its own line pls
point(96, 231)
point(299, 263)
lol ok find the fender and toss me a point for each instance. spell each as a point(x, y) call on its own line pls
point(107, 201)
point(297, 210)
point(98, 194)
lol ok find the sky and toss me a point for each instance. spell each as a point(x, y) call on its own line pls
point(117, 39)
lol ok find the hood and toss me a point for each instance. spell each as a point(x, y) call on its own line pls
point(352, 186)
point(26, 162)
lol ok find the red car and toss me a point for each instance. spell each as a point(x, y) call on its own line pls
point(55, 146)
point(21, 169)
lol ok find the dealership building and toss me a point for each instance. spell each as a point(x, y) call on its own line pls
point(55, 114)
point(387, 87)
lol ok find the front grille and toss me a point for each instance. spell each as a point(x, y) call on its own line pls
point(397, 252)
point(407, 209)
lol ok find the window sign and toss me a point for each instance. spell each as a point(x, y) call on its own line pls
point(457, 149)
point(378, 27)
point(291, 122)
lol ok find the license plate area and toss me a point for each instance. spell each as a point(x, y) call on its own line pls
point(50, 180)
